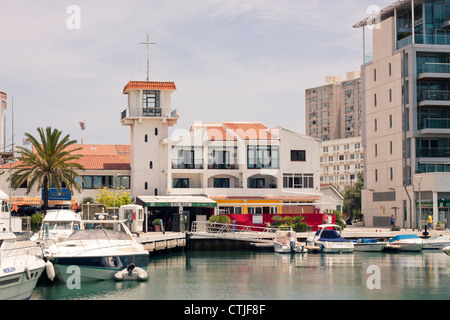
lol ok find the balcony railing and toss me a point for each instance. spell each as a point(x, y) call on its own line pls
point(433, 152)
point(424, 39)
point(433, 67)
point(179, 164)
point(149, 112)
point(435, 95)
point(434, 123)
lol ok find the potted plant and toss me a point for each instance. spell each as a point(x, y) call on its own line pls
point(440, 225)
point(157, 224)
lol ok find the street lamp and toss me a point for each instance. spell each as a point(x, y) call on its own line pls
point(419, 181)
point(114, 194)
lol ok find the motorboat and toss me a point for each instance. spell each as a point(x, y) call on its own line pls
point(406, 242)
point(446, 250)
point(327, 239)
point(58, 225)
point(21, 266)
point(369, 245)
point(437, 242)
point(285, 241)
point(97, 251)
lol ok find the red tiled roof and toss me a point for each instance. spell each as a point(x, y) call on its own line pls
point(149, 85)
point(228, 131)
point(98, 157)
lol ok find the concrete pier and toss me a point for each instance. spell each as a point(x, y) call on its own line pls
point(161, 242)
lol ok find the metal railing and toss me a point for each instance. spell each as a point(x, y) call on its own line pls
point(434, 123)
point(234, 231)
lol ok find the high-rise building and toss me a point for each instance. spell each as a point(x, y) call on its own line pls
point(333, 110)
point(405, 86)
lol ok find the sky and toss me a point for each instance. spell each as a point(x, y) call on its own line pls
point(231, 60)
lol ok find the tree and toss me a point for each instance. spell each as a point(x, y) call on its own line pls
point(51, 163)
point(352, 198)
point(105, 196)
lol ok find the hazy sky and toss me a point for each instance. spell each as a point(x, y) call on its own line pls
point(230, 59)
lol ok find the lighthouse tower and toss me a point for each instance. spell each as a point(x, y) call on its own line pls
point(149, 115)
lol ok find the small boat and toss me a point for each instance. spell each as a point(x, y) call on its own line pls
point(131, 273)
point(21, 266)
point(286, 242)
point(58, 225)
point(369, 245)
point(446, 250)
point(437, 242)
point(406, 242)
point(98, 251)
point(328, 240)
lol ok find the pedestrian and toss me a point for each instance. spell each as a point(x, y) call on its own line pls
point(430, 221)
point(392, 222)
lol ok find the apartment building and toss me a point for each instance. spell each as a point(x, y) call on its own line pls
point(405, 87)
point(340, 162)
point(333, 111)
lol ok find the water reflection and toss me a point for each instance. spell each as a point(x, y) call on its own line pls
point(239, 275)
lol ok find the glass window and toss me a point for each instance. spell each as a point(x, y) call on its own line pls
point(262, 157)
point(298, 155)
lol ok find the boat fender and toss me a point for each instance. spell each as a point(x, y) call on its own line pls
point(50, 269)
point(26, 269)
point(292, 245)
point(117, 263)
point(321, 248)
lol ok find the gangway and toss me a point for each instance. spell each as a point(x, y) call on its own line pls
point(212, 230)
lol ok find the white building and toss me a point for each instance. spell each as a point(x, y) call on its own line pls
point(235, 167)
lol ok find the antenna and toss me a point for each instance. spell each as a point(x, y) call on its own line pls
point(148, 43)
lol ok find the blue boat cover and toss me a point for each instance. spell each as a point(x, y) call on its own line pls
point(332, 236)
point(404, 236)
point(368, 240)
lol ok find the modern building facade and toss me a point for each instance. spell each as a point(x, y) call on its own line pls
point(340, 162)
point(405, 87)
point(333, 111)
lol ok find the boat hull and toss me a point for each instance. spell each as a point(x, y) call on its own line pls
point(334, 247)
point(446, 250)
point(369, 247)
point(19, 285)
point(412, 247)
point(70, 269)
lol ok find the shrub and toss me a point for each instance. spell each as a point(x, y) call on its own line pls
point(220, 219)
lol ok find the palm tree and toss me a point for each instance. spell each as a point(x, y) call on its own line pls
point(51, 163)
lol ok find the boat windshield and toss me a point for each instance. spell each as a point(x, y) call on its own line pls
point(90, 234)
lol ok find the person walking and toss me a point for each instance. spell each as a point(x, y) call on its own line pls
point(392, 222)
point(430, 221)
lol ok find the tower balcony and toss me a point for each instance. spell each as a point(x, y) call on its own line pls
point(433, 70)
point(166, 114)
point(436, 126)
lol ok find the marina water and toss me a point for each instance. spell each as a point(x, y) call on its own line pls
point(250, 275)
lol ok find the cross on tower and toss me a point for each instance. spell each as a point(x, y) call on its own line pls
point(148, 43)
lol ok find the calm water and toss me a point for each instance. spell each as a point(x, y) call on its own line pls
point(239, 275)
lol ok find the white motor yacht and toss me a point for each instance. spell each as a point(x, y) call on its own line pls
point(96, 252)
point(437, 242)
point(406, 242)
point(285, 241)
point(369, 245)
point(58, 225)
point(21, 265)
point(328, 240)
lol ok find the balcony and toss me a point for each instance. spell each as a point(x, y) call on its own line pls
point(180, 164)
point(427, 97)
point(424, 39)
point(433, 70)
point(167, 114)
point(434, 126)
point(433, 153)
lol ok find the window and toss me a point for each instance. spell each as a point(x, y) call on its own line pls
point(146, 138)
point(97, 182)
point(376, 175)
point(375, 125)
point(181, 183)
point(390, 147)
point(262, 157)
point(298, 155)
point(390, 69)
point(221, 182)
point(374, 74)
point(391, 170)
point(185, 159)
point(151, 164)
point(150, 99)
point(390, 121)
point(390, 95)
point(298, 181)
point(376, 150)
point(146, 185)
point(156, 131)
point(375, 100)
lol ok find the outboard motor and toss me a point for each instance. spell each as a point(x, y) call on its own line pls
point(292, 245)
point(130, 268)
